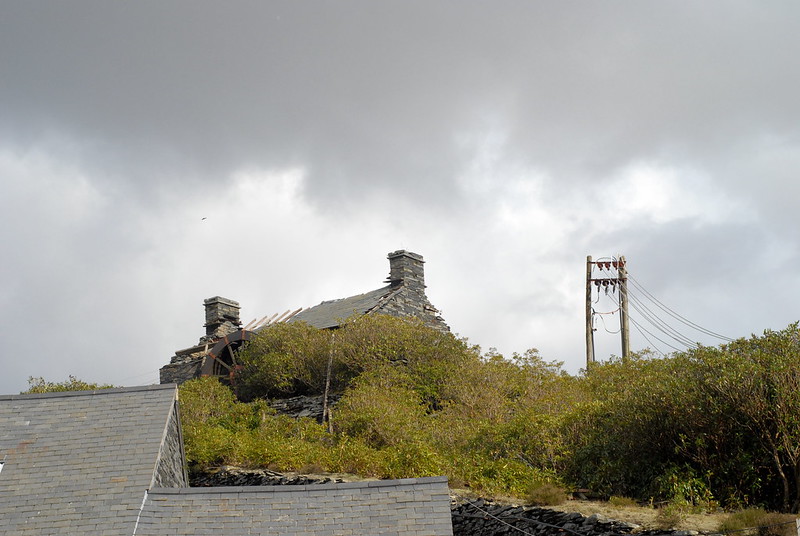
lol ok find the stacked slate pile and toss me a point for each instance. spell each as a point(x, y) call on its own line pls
point(303, 406)
point(484, 518)
point(232, 476)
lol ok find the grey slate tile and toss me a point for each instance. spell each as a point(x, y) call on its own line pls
point(356, 509)
point(79, 461)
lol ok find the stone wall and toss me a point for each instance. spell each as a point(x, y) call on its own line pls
point(483, 518)
point(234, 476)
point(412, 302)
point(181, 369)
point(222, 316)
point(407, 273)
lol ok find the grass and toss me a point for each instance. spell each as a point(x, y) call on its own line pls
point(761, 522)
point(646, 517)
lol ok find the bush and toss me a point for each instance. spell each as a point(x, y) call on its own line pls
point(693, 428)
point(670, 516)
point(382, 409)
point(40, 385)
point(286, 359)
point(292, 359)
point(681, 486)
point(622, 502)
point(546, 494)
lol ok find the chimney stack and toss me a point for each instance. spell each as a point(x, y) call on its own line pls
point(222, 316)
point(405, 268)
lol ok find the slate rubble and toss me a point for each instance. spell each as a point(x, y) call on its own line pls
point(485, 518)
point(303, 406)
point(233, 476)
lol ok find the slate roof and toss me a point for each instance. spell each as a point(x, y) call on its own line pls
point(329, 314)
point(111, 462)
point(407, 507)
point(79, 462)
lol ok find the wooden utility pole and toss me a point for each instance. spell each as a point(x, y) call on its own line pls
point(326, 411)
point(620, 282)
point(622, 275)
point(589, 329)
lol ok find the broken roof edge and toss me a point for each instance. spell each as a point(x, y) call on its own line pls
point(333, 313)
point(384, 291)
point(113, 390)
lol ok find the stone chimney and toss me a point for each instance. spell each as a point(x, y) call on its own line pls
point(222, 316)
point(405, 268)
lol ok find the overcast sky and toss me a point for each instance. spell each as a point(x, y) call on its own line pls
point(154, 154)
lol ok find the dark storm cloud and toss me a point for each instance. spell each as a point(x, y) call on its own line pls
point(504, 141)
point(368, 94)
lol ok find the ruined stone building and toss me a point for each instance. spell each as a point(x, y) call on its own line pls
point(402, 296)
point(111, 462)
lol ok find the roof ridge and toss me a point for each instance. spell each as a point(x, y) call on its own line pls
point(361, 484)
point(113, 390)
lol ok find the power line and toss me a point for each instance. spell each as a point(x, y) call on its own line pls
point(641, 329)
point(674, 314)
point(651, 343)
point(660, 324)
point(647, 307)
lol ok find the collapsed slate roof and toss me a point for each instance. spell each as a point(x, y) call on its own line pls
point(403, 296)
point(111, 462)
point(329, 314)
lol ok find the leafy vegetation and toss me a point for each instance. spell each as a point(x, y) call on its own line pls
point(696, 430)
point(40, 385)
point(415, 402)
point(707, 426)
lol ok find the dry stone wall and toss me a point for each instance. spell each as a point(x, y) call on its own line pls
point(483, 518)
point(233, 476)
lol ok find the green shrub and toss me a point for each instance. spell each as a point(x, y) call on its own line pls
point(286, 359)
point(382, 408)
point(311, 469)
point(546, 494)
point(419, 402)
point(410, 459)
point(670, 516)
point(622, 502)
point(40, 385)
point(681, 486)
